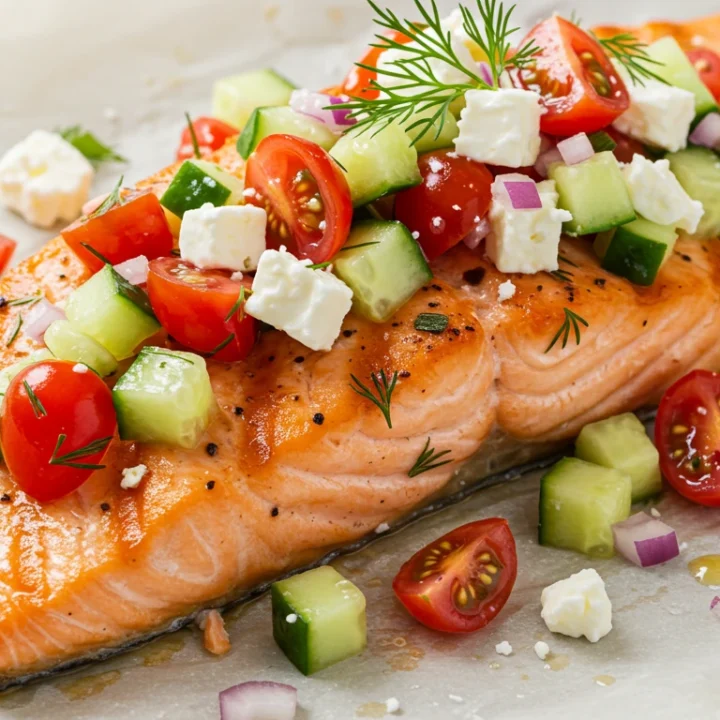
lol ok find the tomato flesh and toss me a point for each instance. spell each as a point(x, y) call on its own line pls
point(626, 147)
point(7, 248)
point(707, 63)
point(304, 193)
point(461, 581)
point(137, 226)
point(451, 200)
point(199, 308)
point(687, 436)
point(211, 135)
point(579, 86)
point(75, 404)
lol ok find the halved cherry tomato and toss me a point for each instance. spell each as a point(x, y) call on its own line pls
point(137, 226)
point(707, 63)
point(687, 436)
point(626, 147)
point(579, 86)
point(7, 248)
point(460, 582)
point(451, 200)
point(211, 135)
point(305, 194)
point(357, 82)
point(199, 308)
point(55, 435)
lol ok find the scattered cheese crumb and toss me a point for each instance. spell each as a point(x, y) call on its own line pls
point(132, 476)
point(291, 618)
point(382, 528)
point(392, 705)
point(506, 290)
point(236, 276)
point(249, 192)
point(80, 368)
point(655, 512)
point(504, 648)
point(683, 546)
point(542, 649)
point(456, 698)
point(700, 574)
point(435, 165)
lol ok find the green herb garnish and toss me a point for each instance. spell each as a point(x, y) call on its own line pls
point(155, 351)
point(319, 266)
point(633, 56)
point(384, 392)
point(427, 460)
point(564, 276)
point(37, 406)
point(93, 149)
point(90, 449)
point(238, 304)
point(14, 332)
point(96, 253)
point(360, 245)
point(601, 141)
point(193, 136)
point(29, 300)
point(567, 260)
point(432, 322)
point(222, 345)
point(113, 199)
point(572, 320)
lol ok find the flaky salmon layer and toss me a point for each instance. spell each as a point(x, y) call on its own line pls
point(76, 578)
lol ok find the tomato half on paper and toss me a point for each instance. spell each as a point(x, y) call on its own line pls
point(211, 135)
point(56, 426)
point(579, 86)
point(461, 581)
point(202, 309)
point(305, 194)
point(687, 436)
point(452, 199)
point(707, 63)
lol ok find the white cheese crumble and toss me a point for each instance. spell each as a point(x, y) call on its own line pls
point(80, 368)
point(392, 705)
point(382, 528)
point(658, 196)
point(542, 649)
point(655, 512)
point(230, 237)
point(249, 192)
point(292, 618)
point(525, 241)
point(577, 606)
point(45, 179)
point(132, 476)
point(456, 698)
point(500, 127)
point(435, 165)
point(506, 290)
point(237, 276)
point(504, 648)
point(306, 304)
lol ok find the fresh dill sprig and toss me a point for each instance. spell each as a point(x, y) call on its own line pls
point(415, 89)
point(633, 56)
point(427, 460)
point(567, 260)
point(572, 321)
point(12, 335)
point(562, 275)
point(384, 391)
point(193, 136)
point(38, 408)
point(29, 300)
point(222, 345)
point(92, 448)
point(94, 150)
point(114, 198)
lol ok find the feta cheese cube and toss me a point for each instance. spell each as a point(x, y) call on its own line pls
point(500, 127)
point(504, 648)
point(506, 290)
point(45, 179)
point(309, 305)
point(658, 196)
point(525, 241)
point(577, 606)
point(231, 237)
point(132, 476)
point(542, 649)
point(659, 114)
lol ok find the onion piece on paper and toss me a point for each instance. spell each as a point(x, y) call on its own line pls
point(645, 541)
point(258, 701)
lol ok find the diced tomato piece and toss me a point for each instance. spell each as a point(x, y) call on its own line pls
point(707, 63)
point(7, 248)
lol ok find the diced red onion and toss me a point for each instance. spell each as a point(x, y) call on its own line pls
point(478, 234)
point(314, 104)
point(551, 157)
point(707, 133)
point(135, 271)
point(258, 701)
point(486, 73)
point(576, 149)
point(523, 194)
point(714, 602)
point(645, 541)
point(40, 317)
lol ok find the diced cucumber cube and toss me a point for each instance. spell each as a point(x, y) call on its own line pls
point(8, 373)
point(621, 443)
point(235, 97)
point(318, 619)
point(594, 192)
point(636, 251)
point(385, 275)
point(377, 164)
point(164, 397)
point(285, 121)
point(442, 134)
point(112, 311)
point(579, 504)
point(68, 343)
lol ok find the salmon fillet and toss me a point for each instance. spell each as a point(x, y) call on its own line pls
point(105, 567)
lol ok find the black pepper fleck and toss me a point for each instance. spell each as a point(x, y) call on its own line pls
point(274, 512)
point(600, 282)
point(271, 358)
point(62, 276)
point(404, 374)
point(5, 498)
point(455, 331)
point(349, 333)
point(318, 418)
point(3, 302)
point(105, 507)
point(299, 359)
point(238, 411)
point(686, 258)
point(211, 449)
point(437, 287)
point(474, 276)
point(644, 323)
point(470, 328)
point(396, 324)
point(296, 398)
point(210, 484)
point(433, 304)
point(539, 288)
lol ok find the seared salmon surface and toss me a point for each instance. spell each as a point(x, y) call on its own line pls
point(303, 463)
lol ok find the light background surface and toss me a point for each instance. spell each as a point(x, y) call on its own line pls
point(146, 61)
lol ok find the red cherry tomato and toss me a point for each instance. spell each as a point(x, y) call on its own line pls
point(211, 135)
point(135, 227)
point(707, 63)
point(461, 581)
point(199, 308)
point(451, 200)
point(55, 435)
point(7, 248)
point(626, 147)
point(305, 194)
point(687, 436)
point(580, 88)
point(358, 80)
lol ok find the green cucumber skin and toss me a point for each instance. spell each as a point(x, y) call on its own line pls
point(190, 189)
point(292, 638)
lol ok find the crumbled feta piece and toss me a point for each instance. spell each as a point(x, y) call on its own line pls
point(655, 512)
point(504, 648)
point(392, 705)
point(132, 476)
point(249, 192)
point(45, 179)
point(500, 127)
point(80, 368)
point(542, 649)
point(231, 237)
point(658, 196)
point(456, 698)
point(236, 276)
point(577, 606)
point(382, 528)
point(525, 241)
point(659, 114)
point(506, 290)
point(292, 618)
point(435, 165)
point(306, 304)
